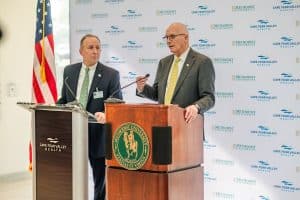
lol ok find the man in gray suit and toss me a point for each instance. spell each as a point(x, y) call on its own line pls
point(185, 78)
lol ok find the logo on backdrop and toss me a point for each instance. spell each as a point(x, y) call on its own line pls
point(221, 26)
point(244, 181)
point(112, 2)
point(223, 60)
point(286, 5)
point(209, 177)
point(209, 146)
point(286, 151)
point(221, 129)
point(286, 78)
point(130, 76)
point(203, 10)
point(263, 25)
point(287, 186)
point(224, 95)
point(99, 15)
point(243, 8)
point(223, 195)
point(223, 162)
point(286, 42)
point(115, 60)
point(203, 44)
point(286, 114)
point(114, 30)
point(263, 96)
point(148, 60)
point(243, 43)
point(148, 29)
point(263, 166)
point(243, 112)
point(244, 147)
point(131, 146)
point(262, 197)
point(263, 131)
point(132, 45)
point(165, 12)
point(53, 145)
point(131, 14)
point(243, 78)
point(263, 61)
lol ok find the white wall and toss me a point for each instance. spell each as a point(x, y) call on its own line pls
point(17, 21)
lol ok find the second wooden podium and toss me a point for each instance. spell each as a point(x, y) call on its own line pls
point(152, 153)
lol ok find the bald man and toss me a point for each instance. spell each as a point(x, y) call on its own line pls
point(194, 77)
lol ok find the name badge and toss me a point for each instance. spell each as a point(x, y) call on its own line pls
point(98, 94)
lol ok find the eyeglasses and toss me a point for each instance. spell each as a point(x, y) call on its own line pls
point(172, 36)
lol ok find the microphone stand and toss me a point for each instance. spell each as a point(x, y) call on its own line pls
point(111, 99)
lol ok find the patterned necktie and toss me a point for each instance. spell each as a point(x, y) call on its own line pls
point(85, 89)
point(172, 82)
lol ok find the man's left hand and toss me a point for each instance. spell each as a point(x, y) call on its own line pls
point(191, 112)
point(100, 116)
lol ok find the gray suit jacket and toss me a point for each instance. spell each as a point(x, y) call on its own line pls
point(195, 84)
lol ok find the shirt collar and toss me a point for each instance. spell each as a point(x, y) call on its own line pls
point(183, 55)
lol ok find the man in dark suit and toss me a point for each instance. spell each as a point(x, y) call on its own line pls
point(92, 82)
point(185, 78)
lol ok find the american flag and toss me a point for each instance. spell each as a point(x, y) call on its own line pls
point(43, 79)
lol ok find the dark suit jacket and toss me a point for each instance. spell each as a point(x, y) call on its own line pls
point(106, 80)
point(195, 84)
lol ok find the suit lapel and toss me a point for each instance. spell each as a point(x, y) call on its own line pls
point(95, 81)
point(189, 61)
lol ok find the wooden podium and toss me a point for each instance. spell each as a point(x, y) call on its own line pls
point(173, 168)
point(60, 152)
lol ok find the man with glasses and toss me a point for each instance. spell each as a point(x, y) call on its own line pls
point(185, 78)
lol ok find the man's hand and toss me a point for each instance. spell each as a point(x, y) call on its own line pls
point(100, 116)
point(191, 112)
point(141, 82)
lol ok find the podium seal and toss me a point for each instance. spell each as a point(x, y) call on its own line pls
point(131, 146)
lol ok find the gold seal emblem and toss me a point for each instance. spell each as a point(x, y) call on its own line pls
point(131, 146)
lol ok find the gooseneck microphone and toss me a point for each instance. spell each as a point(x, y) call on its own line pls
point(76, 102)
point(111, 98)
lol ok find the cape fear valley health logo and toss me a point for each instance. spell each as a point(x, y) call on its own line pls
point(131, 14)
point(286, 42)
point(263, 61)
point(287, 186)
point(131, 146)
point(263, 96)
point(204, 44)
point(203, 10)
point(224, 95)
point(263, 25)
point(286, 78)
point(130, 76)
point(286, 5)
point(222, 129)
point(115, 60)
point(286, 114)
point(286, 151)
point(209, 177)
point(263, 131)
point(243, 147)
point(263, 197)
point(244, 181)
point(223, 60)
point(53, 145)
point(114, 30)
point(132, 45)
point(263, 166)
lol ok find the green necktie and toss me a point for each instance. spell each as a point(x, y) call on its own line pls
point(172, 82)
point(84, 93)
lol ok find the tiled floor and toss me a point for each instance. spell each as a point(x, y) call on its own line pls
point(19, 187)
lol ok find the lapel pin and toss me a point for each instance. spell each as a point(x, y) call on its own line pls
point(99, 75)
point(187, 65)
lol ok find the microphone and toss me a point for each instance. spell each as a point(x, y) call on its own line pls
point(110, 99)
point(76, 102)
